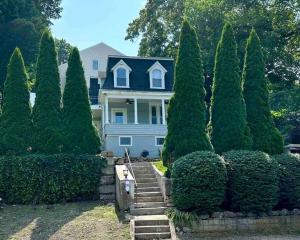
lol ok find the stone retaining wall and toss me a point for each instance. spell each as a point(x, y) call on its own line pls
point(280, 220)
point(107, 189)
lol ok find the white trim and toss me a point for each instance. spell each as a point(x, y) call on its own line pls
point(136, 120)
point(138, 94)
point(137, 57)
point(163, 71)
point(156, 137)
point(124, 136)
point(121, 64)
point(114, 110)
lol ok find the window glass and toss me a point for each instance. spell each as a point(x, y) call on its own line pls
point(156, 78)
point(95, 64)
point(119, 117)
point(125, 141)
point(153, 115)
point(160, 141)
point(121, 77)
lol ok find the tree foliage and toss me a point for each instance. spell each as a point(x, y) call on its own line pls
point(228, 126)
point(266, 136)
point(21, 25)
point(186, 112)
point(276, 23)
point(80, 134)
point(47, 108)
point(63, 49)
point(16, 125)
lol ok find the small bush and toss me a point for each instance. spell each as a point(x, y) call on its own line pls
point(289, 180)
point(49, 178)
point(199, 181)
point(253, 181)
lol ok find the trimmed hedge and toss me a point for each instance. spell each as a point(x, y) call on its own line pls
point(289, 180)
point(49, 178)
point(253, 181)
point(198, 181)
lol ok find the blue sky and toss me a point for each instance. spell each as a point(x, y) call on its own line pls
point(85, 23)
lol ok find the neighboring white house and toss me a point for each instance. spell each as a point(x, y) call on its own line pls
point(129, 98)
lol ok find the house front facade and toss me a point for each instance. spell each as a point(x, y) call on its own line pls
point(129, 99)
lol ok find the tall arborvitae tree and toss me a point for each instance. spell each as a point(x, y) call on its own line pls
point(47, 110)
point(16, 124)
point(186, 112)
point(228, 126)
point(80, 134)
point(265, 135)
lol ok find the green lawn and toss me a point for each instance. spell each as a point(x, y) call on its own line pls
point(84, 220)
point(159, 165)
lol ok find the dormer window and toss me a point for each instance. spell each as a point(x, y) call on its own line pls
point(121, 75)
point(157, 76)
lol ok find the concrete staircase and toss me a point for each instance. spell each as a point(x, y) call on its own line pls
point(149, 221)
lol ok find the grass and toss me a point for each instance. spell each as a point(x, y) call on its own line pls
point(84, 220)
point(159, 165)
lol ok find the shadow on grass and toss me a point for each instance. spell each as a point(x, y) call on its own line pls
point(39, 222)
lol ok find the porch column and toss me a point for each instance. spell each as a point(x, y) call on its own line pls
point(136, 121)
point(106, 110)
point(163, 111)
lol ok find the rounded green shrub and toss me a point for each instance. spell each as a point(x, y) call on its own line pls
point(253, 181)
point(289, 180)
point(198, 181)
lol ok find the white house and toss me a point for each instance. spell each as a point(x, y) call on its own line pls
point(129, 98)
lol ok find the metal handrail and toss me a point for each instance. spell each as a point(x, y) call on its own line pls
point(127, 155)
point(135, 184)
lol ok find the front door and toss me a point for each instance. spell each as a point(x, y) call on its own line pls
point(156, 113)
point(119, 115)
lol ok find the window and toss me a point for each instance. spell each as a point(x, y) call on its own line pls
point(119, 115)
point(121, 73)
point(156, 79)
point(95, 65)
point(121, 77)
point(125, 141)
point(157, 76)
point(159, 141)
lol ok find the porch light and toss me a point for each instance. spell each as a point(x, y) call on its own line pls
point(167, 102)
point(125, 172)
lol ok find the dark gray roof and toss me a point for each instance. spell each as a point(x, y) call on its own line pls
point(139, 76)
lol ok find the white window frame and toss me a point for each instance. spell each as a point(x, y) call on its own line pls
point(157, 66)
point(156, 137)
point(114, 110)
point(158, 115)
point(121, 145)
point(121, 64)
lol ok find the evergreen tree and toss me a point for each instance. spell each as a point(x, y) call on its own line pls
point(186, 112)
point(265, 136)
point(16, 125)
point(80, 134)
point(228, 126)
point(47, 111)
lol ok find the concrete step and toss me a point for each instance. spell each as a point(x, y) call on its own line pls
point(142, 171)
point(146, 180)
point(148, 211)
point(152, 229)
point(161, 235)
point(144, 175)
point(148, 189)
point(150, 199)
point(145, 185)
point(148, 194)
point(149, 204)
point(151, 220)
